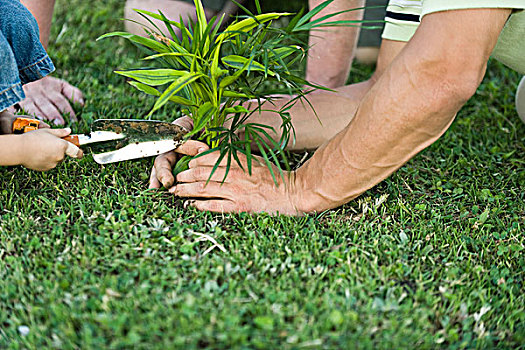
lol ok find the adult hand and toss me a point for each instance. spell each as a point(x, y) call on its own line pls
point(7, 119)
point(45, 148)
point(239, 192)
point(162, 172)
point(48, 97)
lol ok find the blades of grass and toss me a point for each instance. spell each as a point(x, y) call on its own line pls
point(175, 87)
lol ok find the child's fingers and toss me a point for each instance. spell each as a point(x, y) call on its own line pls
point(59, 132)
point(73, 151)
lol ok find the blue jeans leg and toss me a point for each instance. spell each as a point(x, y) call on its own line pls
point(10, 85)
point(23, 58)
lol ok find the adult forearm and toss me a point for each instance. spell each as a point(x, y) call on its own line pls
point(332, 49)
point(43, 12)
point(410, 106)
point(315, 122)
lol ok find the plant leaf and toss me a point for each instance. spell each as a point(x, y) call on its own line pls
point(175, 87)
point(239, 62)
point(153, 77)
point(150, 43)
point(144, 88)
point(247, 24)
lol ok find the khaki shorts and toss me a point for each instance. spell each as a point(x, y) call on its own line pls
point(403, 17)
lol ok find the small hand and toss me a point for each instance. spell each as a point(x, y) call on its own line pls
point(239, 192)
point(43, 149)
point(48, 97)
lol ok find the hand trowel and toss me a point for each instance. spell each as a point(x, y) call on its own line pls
point(117, 140)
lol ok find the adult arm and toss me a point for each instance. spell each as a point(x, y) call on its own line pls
point(410, 106)
point(332, 49)
point(47, 98)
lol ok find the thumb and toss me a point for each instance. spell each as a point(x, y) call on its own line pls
point(58, 132)
point(73, 151)
point(192, 148)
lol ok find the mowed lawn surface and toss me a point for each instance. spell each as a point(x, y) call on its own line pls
point(433, 257)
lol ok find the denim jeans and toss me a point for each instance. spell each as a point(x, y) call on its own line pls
point(22, 57)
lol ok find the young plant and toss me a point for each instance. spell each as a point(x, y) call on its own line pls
point(213, 73)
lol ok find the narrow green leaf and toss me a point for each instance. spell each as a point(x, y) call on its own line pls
point(247, 24)
point(144, 88)
point(236, 109)
point(175, 87)
point(150, 43)
point(238, 62)
point(313, 12)
point(153, 77)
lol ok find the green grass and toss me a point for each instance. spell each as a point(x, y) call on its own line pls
point(89, 259)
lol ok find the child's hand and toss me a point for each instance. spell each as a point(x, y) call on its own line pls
point(43, 149)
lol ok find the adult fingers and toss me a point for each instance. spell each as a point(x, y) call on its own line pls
point(29, 107)
point(163, 167)
point(72, 93)
point(203, 174)
point(62, 104)
point(73, 151)
point(50, 112)
point(214, 205)
point(202, 190)
point(211, 158)
point(153, 181)
point(192, 148)
point(185, 122)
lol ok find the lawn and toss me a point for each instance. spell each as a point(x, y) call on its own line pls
point(433, 257)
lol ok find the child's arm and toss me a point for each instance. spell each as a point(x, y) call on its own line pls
point(37, 150)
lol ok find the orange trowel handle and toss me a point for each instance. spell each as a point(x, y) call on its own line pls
point(22, 125)
point(73, 139)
